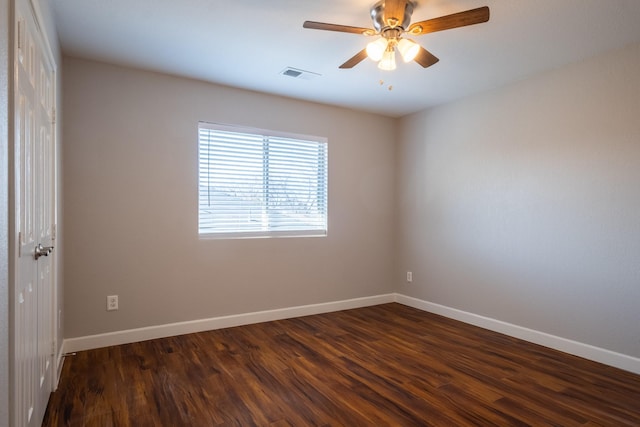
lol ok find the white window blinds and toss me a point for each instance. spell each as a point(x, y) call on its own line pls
point(256, 183)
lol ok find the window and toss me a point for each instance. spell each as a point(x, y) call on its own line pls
point(257, 183)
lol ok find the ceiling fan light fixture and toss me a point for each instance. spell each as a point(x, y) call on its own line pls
point(391, 21)
point(408, 49)
point(377, 48)
point(388, 61)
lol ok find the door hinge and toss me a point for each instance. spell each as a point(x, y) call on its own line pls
point(19, 244)
point(54, 231)
point(53, 348)
point(53, 116)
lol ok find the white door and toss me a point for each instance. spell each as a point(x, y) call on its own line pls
point(34, 202)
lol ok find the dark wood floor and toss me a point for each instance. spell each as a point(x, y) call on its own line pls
point(388, 365)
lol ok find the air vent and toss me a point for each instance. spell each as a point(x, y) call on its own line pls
point(292, 73)
point(299, 74)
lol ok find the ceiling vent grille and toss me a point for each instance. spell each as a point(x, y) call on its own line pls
point(299, 74)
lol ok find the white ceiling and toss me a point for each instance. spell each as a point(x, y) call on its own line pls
point(247, 43)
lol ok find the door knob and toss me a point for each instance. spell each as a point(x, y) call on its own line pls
point(42, 251)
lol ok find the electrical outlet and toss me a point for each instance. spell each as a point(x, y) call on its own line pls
point(112, 302)
point(409, 277)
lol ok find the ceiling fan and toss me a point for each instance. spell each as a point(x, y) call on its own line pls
point(392, 22)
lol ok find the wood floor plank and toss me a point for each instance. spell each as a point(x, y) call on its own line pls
point(387, 365)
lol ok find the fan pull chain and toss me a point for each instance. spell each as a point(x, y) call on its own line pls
point(390, 87)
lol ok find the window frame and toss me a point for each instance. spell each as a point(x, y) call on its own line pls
point(265, 133)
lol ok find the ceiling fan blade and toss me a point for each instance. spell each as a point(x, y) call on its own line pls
point(394, 9)
point(355, 60)
point(425, 58)
point(335, 27)
point(460, 19)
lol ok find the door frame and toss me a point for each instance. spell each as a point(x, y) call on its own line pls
point(6, 141)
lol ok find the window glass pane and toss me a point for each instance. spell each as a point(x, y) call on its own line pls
point(253, 183)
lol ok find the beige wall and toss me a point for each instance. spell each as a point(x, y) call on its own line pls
point(523, 204)
point(130, 204)
point(520, 204)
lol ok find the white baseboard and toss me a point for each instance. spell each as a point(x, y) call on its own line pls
point(173, 329)
point(586, 351)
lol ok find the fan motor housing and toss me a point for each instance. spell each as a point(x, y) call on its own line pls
point(377, 15)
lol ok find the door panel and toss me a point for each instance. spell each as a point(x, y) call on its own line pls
point(34, 196)
point(26, 303)
point(43, 210)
